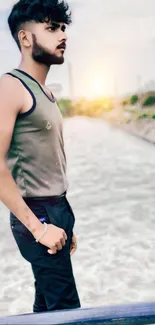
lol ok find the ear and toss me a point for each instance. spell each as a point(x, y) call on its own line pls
point(25, 38)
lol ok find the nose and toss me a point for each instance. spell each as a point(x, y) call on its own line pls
point(63, 37)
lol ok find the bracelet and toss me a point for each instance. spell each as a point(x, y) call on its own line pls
point(42, 235)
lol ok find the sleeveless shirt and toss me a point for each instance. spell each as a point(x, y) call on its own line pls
point(36, 157)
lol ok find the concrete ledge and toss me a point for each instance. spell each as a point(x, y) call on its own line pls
point(141, 313)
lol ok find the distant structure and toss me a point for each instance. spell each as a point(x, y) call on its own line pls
point(150, 86)
point(56, 89)
point(70, 80)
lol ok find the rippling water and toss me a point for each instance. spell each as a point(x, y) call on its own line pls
point(112, 192)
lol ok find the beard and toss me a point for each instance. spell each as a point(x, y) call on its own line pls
point(40, 55)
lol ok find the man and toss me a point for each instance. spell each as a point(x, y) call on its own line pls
point(33, 180)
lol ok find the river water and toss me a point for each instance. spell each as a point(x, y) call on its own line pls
point(112, 192)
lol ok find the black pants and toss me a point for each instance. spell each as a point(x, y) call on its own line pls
point(55, 286)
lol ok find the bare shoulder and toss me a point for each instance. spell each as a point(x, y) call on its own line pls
point(11, 101)
point(7, 79)
point(11, 93)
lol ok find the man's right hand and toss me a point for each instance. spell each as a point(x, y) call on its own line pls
point(55, 238)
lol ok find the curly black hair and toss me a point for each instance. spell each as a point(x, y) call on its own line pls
point(39, 11)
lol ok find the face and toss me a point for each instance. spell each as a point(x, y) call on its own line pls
point(48, 43)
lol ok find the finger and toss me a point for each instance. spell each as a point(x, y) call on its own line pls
point(73, 250)
point(52, 250)
point(64, 235)
point(63, 242)
point(74, 242)
point(58, 246)
point(73, 246)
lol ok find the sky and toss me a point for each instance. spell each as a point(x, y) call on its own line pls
point(111, 47)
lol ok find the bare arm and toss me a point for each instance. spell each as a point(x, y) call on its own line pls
point(11, 102)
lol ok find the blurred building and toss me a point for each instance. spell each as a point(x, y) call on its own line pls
point(56, 89)
point(149, 86)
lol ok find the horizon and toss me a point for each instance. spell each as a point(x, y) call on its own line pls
point(110, 48)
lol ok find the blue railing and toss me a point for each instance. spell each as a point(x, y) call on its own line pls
point(142, 313)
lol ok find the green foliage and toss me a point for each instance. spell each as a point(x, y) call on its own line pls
point(143, 116)
point(149, 101)
point(134, 99)
point(66, 107)
point(124, 102)
point(94, 108)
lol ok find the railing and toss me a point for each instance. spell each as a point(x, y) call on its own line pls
point(142, 313)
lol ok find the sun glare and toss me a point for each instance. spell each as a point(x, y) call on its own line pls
point(97, 88)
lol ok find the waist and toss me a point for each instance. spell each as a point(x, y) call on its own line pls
point(52, 199)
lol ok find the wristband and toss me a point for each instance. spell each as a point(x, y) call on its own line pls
point(42, 235)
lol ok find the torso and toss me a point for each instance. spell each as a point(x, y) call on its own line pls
point(36, 157)
point(27, 98)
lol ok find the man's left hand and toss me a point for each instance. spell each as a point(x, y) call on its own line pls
point(73, 246)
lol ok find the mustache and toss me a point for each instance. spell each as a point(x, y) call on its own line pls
point(62, 46)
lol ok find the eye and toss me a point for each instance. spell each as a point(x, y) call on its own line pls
point(63, 28)
point(53, 28)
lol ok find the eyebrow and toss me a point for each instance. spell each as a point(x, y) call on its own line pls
point(57, 25)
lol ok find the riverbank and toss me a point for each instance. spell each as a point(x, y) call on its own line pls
point(144, 129)
point(138, 122)
point(133, 118)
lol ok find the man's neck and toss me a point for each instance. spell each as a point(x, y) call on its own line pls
point(36, 70)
